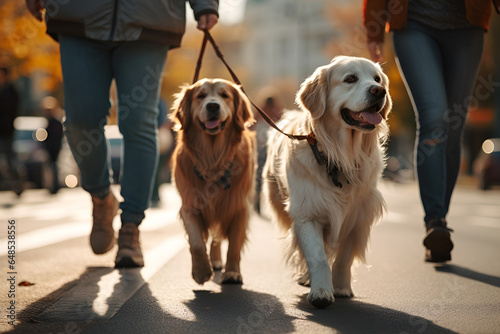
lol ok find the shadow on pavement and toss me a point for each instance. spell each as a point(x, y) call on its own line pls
point(29, 317)
point(244, 311)
point(354, 316)
point(468, 273)
point(74, 308)
point(232, 310)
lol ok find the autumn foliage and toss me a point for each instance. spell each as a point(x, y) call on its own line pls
point(26, 48)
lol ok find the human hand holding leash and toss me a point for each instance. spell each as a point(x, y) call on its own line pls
point(206, 21)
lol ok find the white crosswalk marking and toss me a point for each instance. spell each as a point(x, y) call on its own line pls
point(77, 210)
point(101, 294)
point(61, 232)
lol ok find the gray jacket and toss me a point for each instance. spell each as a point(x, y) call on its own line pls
point(160, 21)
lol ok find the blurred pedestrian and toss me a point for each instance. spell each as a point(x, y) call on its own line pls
point(438, 46)
point(9, 107)
point(274, 110)
point(126, 41)
point(53, 142)
point(166, 146)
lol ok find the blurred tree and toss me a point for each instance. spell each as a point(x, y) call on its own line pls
point(26, 49)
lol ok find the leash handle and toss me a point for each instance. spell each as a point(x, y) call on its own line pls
point(265, 116)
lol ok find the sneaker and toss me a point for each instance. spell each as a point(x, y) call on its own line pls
point(129, 248)
point(437, 241)
point(102, 237)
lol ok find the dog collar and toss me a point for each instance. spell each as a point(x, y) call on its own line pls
point(222, 181)
point(333, 171)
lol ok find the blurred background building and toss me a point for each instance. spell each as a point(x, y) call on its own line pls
point(286, 39)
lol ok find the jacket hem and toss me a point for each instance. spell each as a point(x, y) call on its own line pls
point(77, 29)
point(55, 27)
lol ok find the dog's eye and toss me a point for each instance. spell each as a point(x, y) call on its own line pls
point(224, 95)
point(201, 96)
point(351, 78)
point(377, 78)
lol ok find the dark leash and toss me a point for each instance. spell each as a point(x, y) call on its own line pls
point(311, 138)
point(209, 38)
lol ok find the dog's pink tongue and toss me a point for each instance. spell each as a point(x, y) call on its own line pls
point(372, 117)
point(212, 124)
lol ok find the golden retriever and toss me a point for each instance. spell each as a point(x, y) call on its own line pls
point(329, 208)
point(213, 168)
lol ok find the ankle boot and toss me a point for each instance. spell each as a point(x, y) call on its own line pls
point(437, 241)
point(102, 237)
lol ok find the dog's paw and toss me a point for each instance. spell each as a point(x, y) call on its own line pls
point(231, 277)
point(202, 277)
point(343, 293)
point(217, 265)
point(202, 271)
point(321, 298)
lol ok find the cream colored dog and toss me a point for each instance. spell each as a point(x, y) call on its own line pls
point(324, 191)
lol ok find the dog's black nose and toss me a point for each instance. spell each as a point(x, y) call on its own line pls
point(378, 91)
point(212, 107)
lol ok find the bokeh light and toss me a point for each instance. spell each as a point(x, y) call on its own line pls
point(41, 134)
point(488, 146)
point(71, 181)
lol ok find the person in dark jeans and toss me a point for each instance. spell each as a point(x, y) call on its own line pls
point(126, 41)
point(438, 46)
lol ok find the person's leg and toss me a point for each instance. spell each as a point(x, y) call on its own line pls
point(462, 52)
point(420, 63)
point(138, 68)
point(55, 178)
point(87, 77)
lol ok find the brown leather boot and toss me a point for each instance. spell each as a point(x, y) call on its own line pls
point(102, 237)
point(129, 247)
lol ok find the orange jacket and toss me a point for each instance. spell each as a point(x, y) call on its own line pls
point(388, 15)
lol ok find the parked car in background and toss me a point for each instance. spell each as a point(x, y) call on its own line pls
point(487, 165)
point(29, 134)
point(33, 159)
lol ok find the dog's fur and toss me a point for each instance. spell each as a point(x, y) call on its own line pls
point(214, 145)
point(330, 225)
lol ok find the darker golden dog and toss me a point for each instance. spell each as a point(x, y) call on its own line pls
point(213, 167)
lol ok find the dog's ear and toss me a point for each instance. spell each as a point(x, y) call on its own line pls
point(312, 94)
point(388, 104)
point(387, 107)
point(243, 110)
point(181, 107)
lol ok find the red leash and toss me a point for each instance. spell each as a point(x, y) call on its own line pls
point(265, 116)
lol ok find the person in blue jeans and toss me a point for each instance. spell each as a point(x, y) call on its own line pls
point(438, 46)
point(127, 40)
